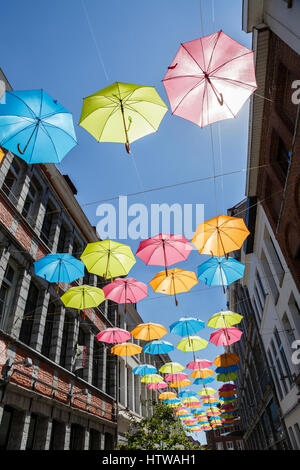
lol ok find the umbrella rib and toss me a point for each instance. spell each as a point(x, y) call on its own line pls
point(230, 60)
point(5, 140)
point(60, 128)
point(193, 88)
point(238, 82)
point(138, 112)
point(182, 76)
point(213, 51)
point(24, 102)
point(194, 57)
point(47, 133)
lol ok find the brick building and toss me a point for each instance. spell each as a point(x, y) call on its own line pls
point(222, 439)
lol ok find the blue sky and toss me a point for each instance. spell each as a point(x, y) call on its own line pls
point(73, 48)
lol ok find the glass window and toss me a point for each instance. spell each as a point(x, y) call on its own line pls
point(64, 342)
point(274, 375)
point(94, 439)
point(11, 179)
point(229, 445)
point(77, 437)
point(61, 239)
point(29, 312)
point(47, 223)
point(29, 203)
point(47, 337)
point(293, 439)
point(6, 291)
point(269, 276)
point(283, 357)
point(279, 367)
point(31, 432)
point(5, 428)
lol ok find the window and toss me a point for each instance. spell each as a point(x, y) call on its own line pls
point(11, 179)
point(239, 445)
point(283, 356)
point(98, 362)
point(29, 204)
point(57, 435)
point(5, 428)
point(64, 341)
point(77, 249)
point(275, 260)
point(261, 286)
point(108, 441)
point(229, 445)
point(47, 223)
point(274, 374)
point(31, 432)
point(28, 317)
point(47, 337)
point(61, 239)
point(288, 329)
point(219, 445)
point(293, 439)
point(81, 342)
point(295, 312)
point(283, 157)
point(6, 291)
point(77, 437)
point(94, 443)
point(269, 276)
point(279, 367)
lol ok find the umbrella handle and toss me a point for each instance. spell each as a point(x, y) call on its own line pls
point(127, 146)
point(19, 150)
point(172, 66)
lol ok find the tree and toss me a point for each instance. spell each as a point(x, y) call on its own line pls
point(161, 431)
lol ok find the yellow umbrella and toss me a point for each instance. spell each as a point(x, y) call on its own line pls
point(167, 395)
point(171, 368)
point(149, 331)
point(202, 373)
point(220, 235)
point(207, 391)
point(82, 297)
point(108, 258)
point(180, 383)
point(152, 379)
point(224, 319)
point(177, 281)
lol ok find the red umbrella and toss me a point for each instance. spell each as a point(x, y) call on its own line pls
point(225, 336)
point(125, 291)
point(164, 250)
point(210, 79)
point(199, 364)
point(113, 335)
point(228, 407)
point(227, 387)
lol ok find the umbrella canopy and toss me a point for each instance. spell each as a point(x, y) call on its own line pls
point(226, 359)
point(126, 349)
point(202, 374)
point(205, 381)
point(177, 281)
point(152, 379)
point(144, 369)
point(210, 79)
point(171, 368)
point(227, 387)
point(191, 399)
point(149, 331)
point(36, 127)
point(220, 235)
point(158, 347)
point(227, 393)
point(183, 413)
point(59, 267)
point(225, 336)
point(219, 271)
point(122, 112)
point(180, 383)
point(126, 291)
point(108, 258)
point(176, 377)
point(167, 395)
point(224, 319)
point(186, 326)
point(226, 377)
point(192, 343)
point(157, 386)
point(225, 370)
point(186, 394)
point(199, 364)
point(172, 401)
point(164, 250)
point(81, 297)
point(113, 335)
point(207, 391)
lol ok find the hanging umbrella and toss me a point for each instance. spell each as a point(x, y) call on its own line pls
point(191, 399)
point(167, 395)
point(187, 326)
point(205, 381)
point(144, 369)
point(171, 368)
point(149, 331)
point(224, 319)
point(228, 407)
point(126, 349)
point(125, 291)
point(108, 258)
point(210, 79)
point(82, 297)
point(59, 267)
point(157, 386)
point(199, 364)
point(228, 400)
point(220, 235)
point(186, 394)
point(176, 282)
point(227, 387)
point(36, 127)
point(226, 359)
point(152, 379)
point(219, 271)
point(226, 377)
point(113, 335)
point(225, 336)
point(226, 370)
point(158, 347)
point(122, 112)
point(192, 343)
point(180, 383)
point(202, 374)
point(207, 391)
point(164, 250)
point(228, 393)
point(183, 413)
point(176, 377)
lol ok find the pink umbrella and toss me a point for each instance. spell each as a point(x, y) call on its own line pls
point(176, 377)
point(227, 387)
point(164, 250)
point(127, 290)
point(225, 336)
point(210, 79)
point(199, 364)
point(157, 386)
point(113, 335)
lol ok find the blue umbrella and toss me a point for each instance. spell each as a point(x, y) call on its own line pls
point(219, 271)
point(234, 397)
point(144, 369)
point(207, 380)
point(186, 393)
point(36, 127)
point(158, 347)
point(59, 267)
point(171, 400)
point(211, 404)
point(186, 326)
point(225, 370)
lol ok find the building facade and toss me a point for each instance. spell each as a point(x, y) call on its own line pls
point(220, 439)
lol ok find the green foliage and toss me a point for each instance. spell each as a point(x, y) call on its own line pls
point(161, 431)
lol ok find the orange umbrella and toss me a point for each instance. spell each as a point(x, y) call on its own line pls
point(226, 360)
point(167, 395)
point(177, 281)
point(126, 349)
point(149, 331)
point(180, 383)
point(210, 400)
point(202, 373)
point(227, 394)
point(220, 235)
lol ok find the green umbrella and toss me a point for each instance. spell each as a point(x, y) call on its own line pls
point(224, 319)
point(82, 297)
point(152, 379)
point(171, 368)
point(122, 112)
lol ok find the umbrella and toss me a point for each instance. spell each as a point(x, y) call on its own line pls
point(227, 387)
point(176, 282)
point(199, 364)
point(190, 399)
point(152, 379)
point(164, 250)
point(219, 271)
point(113, 335)
point(157, 386)
point(173, 401)
point(180, 383)
point(144, 369)
point(149, 331)
point(192, 343)
point(202, 374)
point(158, 347)
point(229, 393)
point(125, 291)
point(210, 79)
point(224, 319)
point(108, 258)
point(167, 395)
point(226, 377)
point(225, 336)
point(225, 370)
point(183, 412)
point(122, 112)
point(126, 349)
point(207, 391)
point(207, 380)
point(186, 326)
point(176, 377)
point(186, 393)
point(36, 127)
point(59, 267)
point(228, 407)
point(82, 297)
point(226, 359)
point(171, 368)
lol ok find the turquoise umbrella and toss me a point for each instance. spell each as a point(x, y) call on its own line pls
point(59, 267)
point(219, 271)
point(144, 369)
point(186, 326)
point(158, 347)
point(36, 127)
